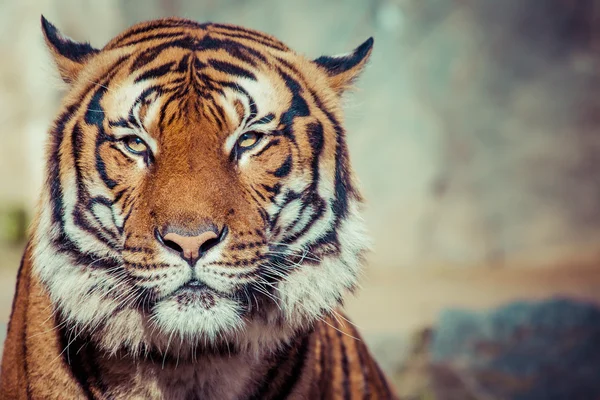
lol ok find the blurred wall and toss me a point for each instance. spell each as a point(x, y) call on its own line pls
point(473, 130)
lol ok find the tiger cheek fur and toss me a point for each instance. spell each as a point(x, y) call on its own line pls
point(199, 227)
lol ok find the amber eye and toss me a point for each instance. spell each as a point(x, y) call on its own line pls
point(135, 145)
point(248, 140)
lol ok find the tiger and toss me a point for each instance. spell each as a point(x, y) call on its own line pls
point(199, 225)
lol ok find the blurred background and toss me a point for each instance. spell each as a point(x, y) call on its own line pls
point(475, 134)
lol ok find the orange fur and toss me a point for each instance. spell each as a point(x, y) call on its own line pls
point(107, 306)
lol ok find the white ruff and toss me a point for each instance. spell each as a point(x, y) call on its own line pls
point(312, 291)
point(187, 321)
point(307, 294)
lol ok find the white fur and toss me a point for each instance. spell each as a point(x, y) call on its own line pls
point(188, 321)
point(310, 292)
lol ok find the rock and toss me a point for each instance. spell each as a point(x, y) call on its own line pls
point(523, 351)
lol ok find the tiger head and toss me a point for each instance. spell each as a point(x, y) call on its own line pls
point(198, 189)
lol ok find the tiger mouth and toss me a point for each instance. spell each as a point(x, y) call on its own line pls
point(196, 293)
point(195, 285)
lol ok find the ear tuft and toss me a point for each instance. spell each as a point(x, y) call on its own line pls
point(343, 70)
point(70, 56)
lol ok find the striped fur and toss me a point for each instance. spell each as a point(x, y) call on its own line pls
point(104, 310)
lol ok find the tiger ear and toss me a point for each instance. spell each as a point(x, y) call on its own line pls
point(344, 69)
point(70, 56)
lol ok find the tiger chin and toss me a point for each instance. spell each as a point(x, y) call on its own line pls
point(198, 228)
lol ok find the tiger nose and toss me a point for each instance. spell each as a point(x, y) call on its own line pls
point(192, 247)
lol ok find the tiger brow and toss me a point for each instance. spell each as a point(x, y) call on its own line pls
point(263, 120)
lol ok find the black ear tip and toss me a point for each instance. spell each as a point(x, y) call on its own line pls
point(364, 48)
point(45, 23)
point(48, 28)
point(65, 46)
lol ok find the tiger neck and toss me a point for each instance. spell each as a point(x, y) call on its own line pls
point(238, 376)
point(43, 360)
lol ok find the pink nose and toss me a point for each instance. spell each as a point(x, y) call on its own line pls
point(191, 248)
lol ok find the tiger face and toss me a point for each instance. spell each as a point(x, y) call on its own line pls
point(199, 192)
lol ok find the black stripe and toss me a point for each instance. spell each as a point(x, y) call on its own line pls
point(316, 138)
point(79, 212)
point(240, 29)
point(330, 359)
point(184, 63)
point(267, 147)
point(254, 36)
point(345, 367)
point(284, 169)
point(156, 72)
point(363, 362)
point(152, 53)
point(298, 106)
point(178, 34)
point(154, 25)
point(234, 86)
point(232, 48)
point(311, 197)
point(296, 373)
point(314, 203)
point(208, 87)
point(94, 373)
point(264, 216)
point(119, 123)
point(217, 114)
point(274, 190)
point(266, 383)
point(209, 111)
point(100, 139)
point(258, 41)
point(94, 114)
point(324, 360)
point(76, 367)
point(263, 120)
point(258, 193)
point(53, 165)
point(108, 204)
point(253, 108)
point(290, 196)
point(163, 111)
point(126, 217)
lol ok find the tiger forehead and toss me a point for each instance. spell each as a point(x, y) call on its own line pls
point(196, 36)
point(211, 77)
point(152, 103)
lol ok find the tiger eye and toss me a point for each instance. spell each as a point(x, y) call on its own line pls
point(135, 145)
point(248, 139)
